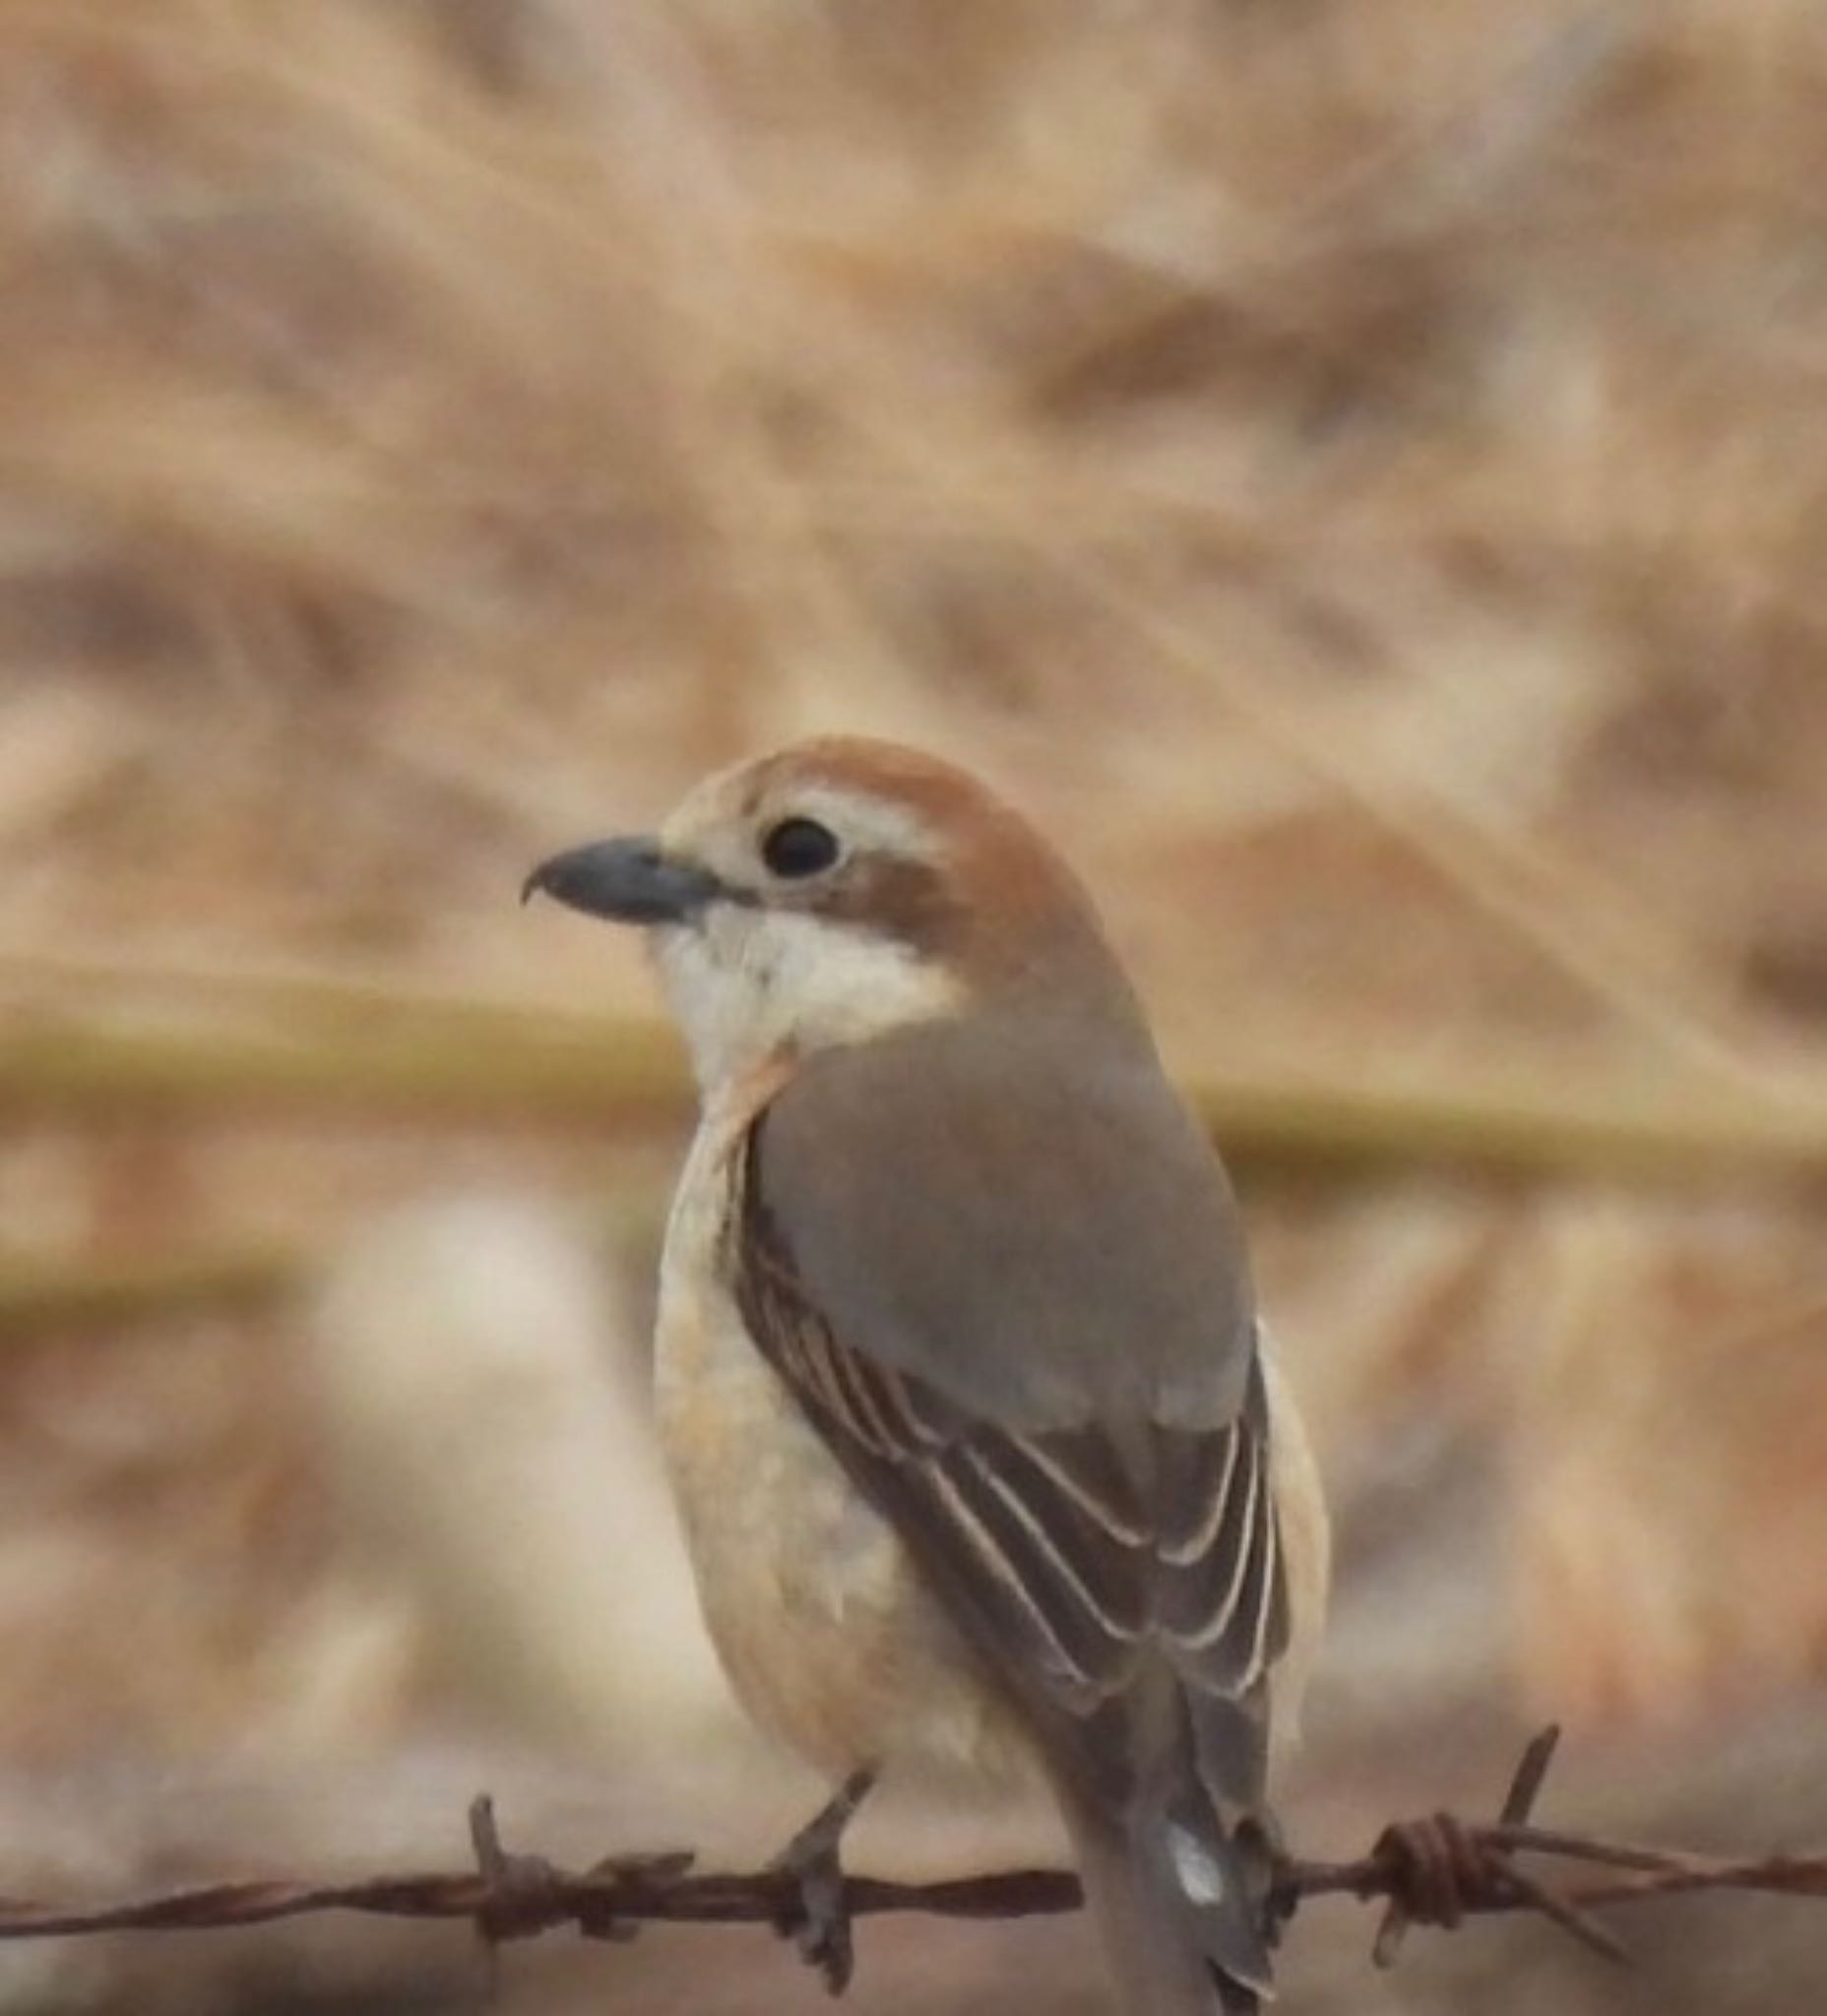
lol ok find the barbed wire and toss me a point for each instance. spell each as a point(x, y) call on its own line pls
point(1440, 1870)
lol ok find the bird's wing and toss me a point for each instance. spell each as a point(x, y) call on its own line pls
point(1070, 1549)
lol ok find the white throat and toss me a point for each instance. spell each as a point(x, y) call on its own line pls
point(746, 983)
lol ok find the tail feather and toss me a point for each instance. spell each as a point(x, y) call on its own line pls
point(1178, 1906)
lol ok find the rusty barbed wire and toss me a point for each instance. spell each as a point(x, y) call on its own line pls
point(1439, 1871)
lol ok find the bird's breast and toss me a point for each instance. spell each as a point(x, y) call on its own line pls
point(825, 1630)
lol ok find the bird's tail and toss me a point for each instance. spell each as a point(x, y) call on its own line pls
point(1178, 1903)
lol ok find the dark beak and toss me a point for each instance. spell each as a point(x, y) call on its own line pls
point(629, 880)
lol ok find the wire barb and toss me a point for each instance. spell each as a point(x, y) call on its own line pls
point(1439, 1870)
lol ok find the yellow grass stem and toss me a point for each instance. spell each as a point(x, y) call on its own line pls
point(447, 1066)
point(431, 1066)
point(43, 1298)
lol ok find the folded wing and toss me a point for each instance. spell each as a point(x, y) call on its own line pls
point(1073, 1561)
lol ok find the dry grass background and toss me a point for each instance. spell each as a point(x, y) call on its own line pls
point(1358, 473)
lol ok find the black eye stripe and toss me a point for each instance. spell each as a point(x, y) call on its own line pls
point(794, 849)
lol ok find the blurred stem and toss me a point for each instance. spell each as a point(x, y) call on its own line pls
point(45, 1299)
point(428, 1065)
point(1566, 1130)
point(431, 1063)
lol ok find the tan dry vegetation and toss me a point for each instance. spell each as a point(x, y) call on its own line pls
point(1357, 471)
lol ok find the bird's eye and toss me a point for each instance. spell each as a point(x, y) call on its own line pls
point(797, 847)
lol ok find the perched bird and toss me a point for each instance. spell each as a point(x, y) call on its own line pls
point(983, 1464)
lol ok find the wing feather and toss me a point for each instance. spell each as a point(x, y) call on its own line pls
point(1223, 1601)
point(1039, 1534)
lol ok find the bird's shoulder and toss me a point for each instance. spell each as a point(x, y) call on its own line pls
point(1017, 1212)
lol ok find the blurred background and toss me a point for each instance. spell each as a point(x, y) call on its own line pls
point(1354, 469)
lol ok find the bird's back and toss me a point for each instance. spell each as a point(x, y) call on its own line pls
point(1068, 1218)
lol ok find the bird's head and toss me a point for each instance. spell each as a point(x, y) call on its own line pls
point(837, 890)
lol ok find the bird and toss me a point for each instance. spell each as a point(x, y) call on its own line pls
point(986, 1464)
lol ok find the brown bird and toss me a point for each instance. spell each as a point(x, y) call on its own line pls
point(985, 1467)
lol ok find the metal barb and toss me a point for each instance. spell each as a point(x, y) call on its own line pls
point(523, 1895)
point(1438, 1869)
point(1433, 1870)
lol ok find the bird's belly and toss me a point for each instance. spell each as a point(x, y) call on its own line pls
point(825, 1630)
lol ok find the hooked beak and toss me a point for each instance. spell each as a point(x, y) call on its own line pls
point(631, 881)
